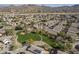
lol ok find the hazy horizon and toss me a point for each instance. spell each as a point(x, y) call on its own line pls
point(50, 5)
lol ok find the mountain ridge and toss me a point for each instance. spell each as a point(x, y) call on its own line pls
point(38, 9)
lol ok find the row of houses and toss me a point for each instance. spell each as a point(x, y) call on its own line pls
point(73, 30)
point(59, 27)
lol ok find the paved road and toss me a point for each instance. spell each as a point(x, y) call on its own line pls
point(35, 13)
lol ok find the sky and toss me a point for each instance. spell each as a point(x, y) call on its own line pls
point(57, 5)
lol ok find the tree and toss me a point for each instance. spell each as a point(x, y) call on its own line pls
point(9, 32)
point(69, 39)
point(61, 34)
point(11, 47)
point(30, 41)
point(18, 28)
point(1, 26)
point(68, 46)
point(23, 43)
point(78, 34)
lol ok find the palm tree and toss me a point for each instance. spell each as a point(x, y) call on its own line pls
point(25, 27)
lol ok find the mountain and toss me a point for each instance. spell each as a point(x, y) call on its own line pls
point(38, 9)
point(76, 5)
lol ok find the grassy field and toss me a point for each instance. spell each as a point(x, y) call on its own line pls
point(25, 37)
point(36, 37)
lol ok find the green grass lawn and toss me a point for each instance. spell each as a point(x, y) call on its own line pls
point(36, 37)
point(24, 38)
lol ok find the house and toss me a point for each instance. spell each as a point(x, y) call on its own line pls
point(37, 50)
point(59, 38)
point(56, 51)
point(2, 32)
point(6, 39)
